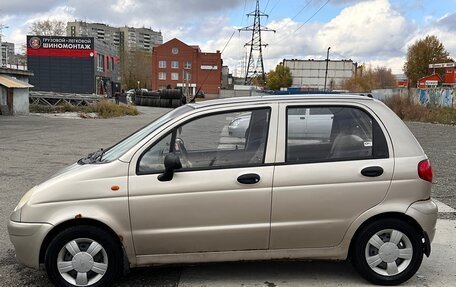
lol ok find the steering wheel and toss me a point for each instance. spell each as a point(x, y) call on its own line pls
point(183, 155)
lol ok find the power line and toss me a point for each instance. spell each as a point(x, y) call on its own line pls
point(228, 42)
point(310, 18)
point(265, 7)
point(273, 7)
point(305, 6)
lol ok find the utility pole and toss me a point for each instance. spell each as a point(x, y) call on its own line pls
point(327, 62)
point(255, 44)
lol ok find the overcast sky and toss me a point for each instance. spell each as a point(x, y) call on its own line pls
point(375, 32)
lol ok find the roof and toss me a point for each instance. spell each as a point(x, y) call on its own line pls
point(11, 82)
point(431, 76)
point(268, 98)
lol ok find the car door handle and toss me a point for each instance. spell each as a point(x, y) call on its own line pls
point(372, 171)
point(249, 178)
point(302, 118)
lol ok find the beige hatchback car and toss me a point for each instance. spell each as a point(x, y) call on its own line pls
point(182, 190)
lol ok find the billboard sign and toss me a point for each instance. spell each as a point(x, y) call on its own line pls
point(442, 65)
point(60, 46)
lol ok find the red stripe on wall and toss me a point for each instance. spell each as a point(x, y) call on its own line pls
point(59, 52)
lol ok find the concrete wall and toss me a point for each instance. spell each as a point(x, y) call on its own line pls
point(3, 93)
point(21, 101)
point(234, 93)
point(311, 73)
point(437, 97)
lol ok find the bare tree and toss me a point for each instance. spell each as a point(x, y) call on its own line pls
point(136, 66)
point(48, 28)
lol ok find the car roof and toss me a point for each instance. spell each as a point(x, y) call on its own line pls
point(273, 98)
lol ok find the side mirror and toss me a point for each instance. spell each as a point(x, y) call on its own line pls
point(172, 162)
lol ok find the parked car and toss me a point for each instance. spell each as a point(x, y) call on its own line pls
point(180, 191)
point(304, 123)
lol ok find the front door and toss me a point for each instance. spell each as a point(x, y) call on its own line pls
point(221, 198)
point(319, 190)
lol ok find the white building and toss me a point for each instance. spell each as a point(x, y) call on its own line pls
point(127, 38)
point(310, 74)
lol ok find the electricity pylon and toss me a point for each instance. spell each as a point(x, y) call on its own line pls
point(256, 45)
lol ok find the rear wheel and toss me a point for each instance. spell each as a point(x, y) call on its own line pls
point(83, 256)
point(388, 252)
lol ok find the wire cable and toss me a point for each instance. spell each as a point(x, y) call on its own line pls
point(310, 18)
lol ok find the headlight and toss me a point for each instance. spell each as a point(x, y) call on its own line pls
point(16, 214)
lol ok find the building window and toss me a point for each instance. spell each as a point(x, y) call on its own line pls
point(175, 64)
point(174, 76)
point(100, 63)
point(162, 64)
point(187, 65)
point(162, 76)
point(187, 76)
point(112, 63)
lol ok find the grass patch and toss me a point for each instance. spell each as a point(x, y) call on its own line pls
point(408, 110)
point(105, 109)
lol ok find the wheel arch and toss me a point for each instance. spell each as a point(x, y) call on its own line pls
point(75, 222)
point(387, 215)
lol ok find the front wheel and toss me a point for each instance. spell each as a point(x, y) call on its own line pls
point(388, 252)
point(83, 256)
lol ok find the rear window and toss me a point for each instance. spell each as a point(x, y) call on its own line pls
point(333, 133)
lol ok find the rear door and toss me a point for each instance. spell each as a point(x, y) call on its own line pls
point(319, 187)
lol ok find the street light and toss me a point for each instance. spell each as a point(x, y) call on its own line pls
point(327, 62)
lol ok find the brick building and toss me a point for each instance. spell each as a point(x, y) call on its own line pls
point(177, 64)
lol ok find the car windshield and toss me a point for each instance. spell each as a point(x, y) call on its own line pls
point(126, 144)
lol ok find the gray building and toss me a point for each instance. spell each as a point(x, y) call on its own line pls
point(14, 91)
point(310, 74)
point(8, 55)
point(125, 38)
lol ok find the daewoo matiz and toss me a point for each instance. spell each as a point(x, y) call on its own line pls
point(182, 190)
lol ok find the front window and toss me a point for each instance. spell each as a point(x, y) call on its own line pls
point(230, 139)
point(126, 144)
point(175, 64)
point(162, 64)
point(174, 76)
point(162, 76)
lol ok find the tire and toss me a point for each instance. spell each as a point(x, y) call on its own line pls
point(99, 267)
point(394, 249)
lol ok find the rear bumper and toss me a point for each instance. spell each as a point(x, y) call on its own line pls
point(27, 239)
point(425, 213)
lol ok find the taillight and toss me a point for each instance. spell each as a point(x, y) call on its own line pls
point(425, 170)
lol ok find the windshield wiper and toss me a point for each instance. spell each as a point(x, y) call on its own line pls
point(92, 157)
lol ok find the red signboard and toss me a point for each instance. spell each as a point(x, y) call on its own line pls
point(58, 46)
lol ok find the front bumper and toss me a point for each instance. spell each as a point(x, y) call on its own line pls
point(425, 213)
point(27, 239)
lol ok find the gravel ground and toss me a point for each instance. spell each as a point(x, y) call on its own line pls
point(34, 147)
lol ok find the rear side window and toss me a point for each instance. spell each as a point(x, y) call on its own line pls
point(333, 133)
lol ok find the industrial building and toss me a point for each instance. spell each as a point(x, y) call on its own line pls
point(310, 74)
point(125, 38)
point(176, 64)
point(8, 56)
point(82, 65)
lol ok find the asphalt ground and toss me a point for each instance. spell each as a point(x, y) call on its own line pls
point(34, 147)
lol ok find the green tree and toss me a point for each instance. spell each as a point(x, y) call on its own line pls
point(422, 53)
point(48, 28)
point(279, 78)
